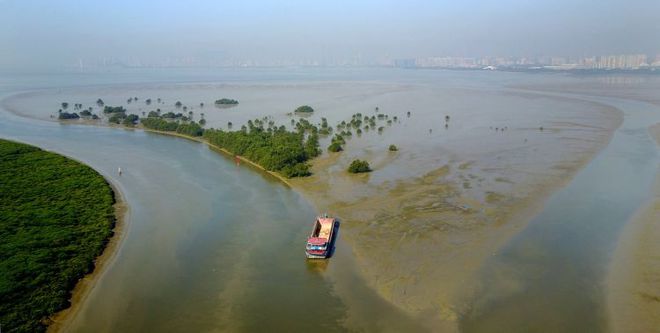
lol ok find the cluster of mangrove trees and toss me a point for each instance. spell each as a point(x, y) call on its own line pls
point(274, 148)
point(56, 216)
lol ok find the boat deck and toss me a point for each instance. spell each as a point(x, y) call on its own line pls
point(325, 230)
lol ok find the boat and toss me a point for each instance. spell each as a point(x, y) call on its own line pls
point(320, 242)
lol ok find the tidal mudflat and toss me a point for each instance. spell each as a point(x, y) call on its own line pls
point(633, 297)
point(417, 229)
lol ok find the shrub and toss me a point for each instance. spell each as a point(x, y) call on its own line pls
point(393, 148)
point(131, 120)
point(226, 101)
point(298, 170)
point(335, 147)
point(275, 150)
point(304, 109)
point(192, 129)
point(159, 124)
point(66, 115)
point(114, 109)
point(117, 117)
point(359, 166)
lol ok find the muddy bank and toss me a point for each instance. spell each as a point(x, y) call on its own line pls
point(419, 240)
point(59, 322)
point(634, 279)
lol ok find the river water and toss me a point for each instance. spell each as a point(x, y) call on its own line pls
point(209, 245)
point(215, 246)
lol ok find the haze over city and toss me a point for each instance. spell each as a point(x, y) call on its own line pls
point(41, 33)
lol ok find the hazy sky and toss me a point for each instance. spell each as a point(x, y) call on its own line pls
point(57, 33)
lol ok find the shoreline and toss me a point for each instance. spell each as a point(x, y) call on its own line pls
point(60, 321)
point(215, 148)
point(633, 294)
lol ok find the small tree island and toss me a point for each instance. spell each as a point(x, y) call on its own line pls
point(304, 109)
point(226, 101)
point(359, 166)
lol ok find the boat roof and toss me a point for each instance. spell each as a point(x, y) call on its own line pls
point(316, 240)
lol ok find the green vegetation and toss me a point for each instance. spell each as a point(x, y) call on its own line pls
point(260, 140)
point(117, 118)
point(113, 109)
point(335, 147)
point(226, 101)
point(304, 109)
point(130, 120)
point(191, 128)
point(172, 115)
point(159, 124)
point(66, 115)
point(274, 148)
point(359, 166)
point(56, 216)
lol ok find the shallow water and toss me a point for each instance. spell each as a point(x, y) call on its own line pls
point(551, 276)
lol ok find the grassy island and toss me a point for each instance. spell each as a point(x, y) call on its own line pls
point(56, 216)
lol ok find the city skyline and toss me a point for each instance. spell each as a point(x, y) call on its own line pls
point(593, 62)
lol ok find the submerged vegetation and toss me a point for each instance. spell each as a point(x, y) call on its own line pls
point(56, 216)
